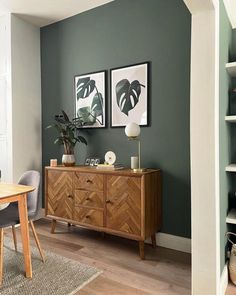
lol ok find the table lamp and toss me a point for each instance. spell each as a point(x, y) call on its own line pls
point(132, 131)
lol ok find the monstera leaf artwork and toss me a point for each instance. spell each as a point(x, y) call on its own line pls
point(127, 95)
point(90, 99)
point(85, 87)
point(97, 105)
point(85, 115)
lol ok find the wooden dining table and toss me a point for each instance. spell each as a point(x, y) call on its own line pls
point(18, 193)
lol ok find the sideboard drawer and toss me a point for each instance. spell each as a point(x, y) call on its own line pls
point(89, 198)
point(88, 216)
point(88, 181)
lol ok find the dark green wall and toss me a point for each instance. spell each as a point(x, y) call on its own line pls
point(233, 46)
point(120, 33)
point(224, 128)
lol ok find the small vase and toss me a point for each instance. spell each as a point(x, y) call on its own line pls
point(68, 160)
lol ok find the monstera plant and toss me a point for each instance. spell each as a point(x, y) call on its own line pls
point(127, 95)
point(68, 135)
point(89, 114)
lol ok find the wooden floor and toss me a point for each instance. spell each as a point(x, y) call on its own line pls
point(164, 271)
point(231, 290)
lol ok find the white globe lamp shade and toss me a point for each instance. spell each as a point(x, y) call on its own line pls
point(132, 130)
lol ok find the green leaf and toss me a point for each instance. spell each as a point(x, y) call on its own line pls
point(127, 95)
point(82, 139)
point(97, 104)
point(84, 87)
point(49, 126)
point(59, 141)
point(85, 115)
point(70, 133)
point(60, 120)
point(66, 118)
point(56, 126)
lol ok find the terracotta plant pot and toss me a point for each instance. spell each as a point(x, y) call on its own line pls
point(68, 160)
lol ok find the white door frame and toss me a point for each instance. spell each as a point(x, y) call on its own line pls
point(204, 142)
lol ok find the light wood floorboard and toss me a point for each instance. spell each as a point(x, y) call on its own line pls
point(231, 290)
point(164, 272)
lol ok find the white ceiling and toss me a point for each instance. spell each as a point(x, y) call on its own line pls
point(44, 12)
point(230, 6)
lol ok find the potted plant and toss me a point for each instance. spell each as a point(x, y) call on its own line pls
point(68, 135)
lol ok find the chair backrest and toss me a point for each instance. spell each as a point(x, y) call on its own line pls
point(32, 178)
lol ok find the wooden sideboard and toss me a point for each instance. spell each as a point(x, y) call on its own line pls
point(118, 202)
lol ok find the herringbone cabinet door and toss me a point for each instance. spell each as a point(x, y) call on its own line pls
point(60, 199)
point(124, 204)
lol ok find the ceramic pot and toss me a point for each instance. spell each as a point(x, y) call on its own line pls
point(68, 160)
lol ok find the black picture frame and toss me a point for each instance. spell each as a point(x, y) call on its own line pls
point(91, 96)
point(113, 99)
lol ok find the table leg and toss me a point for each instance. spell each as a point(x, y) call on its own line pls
point(1, 255)
point(23, 214)
point(14, 236)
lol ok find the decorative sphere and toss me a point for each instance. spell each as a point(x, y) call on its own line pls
point(132, 130)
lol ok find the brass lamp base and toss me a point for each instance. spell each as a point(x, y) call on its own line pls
point(139, 170)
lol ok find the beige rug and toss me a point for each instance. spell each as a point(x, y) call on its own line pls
point(57, 276)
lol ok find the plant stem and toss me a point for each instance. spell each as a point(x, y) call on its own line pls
point(101, 105)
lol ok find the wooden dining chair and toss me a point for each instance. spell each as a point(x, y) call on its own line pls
point(10, 215)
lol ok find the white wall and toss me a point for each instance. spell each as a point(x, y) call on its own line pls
point(26, 97)
point(204, 113)
point(203, 155)
point(5, 98)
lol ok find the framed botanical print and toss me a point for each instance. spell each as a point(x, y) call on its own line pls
point(90, 98)
point(129, 95)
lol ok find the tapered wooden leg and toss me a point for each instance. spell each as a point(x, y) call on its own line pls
point(14, 236)
point(141, 250)
point(54, 222)
point(154, 242)
point(37, 240)
point(1, 255)
point(23, 213)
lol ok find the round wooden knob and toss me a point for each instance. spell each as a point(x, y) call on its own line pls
point(87, 216)
point(89, 181)
point(108, 201)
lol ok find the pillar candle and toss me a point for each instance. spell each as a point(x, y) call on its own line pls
point(53, 162)
point(134, 162)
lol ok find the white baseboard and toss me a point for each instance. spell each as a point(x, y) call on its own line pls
point(173, 242)
point(224, 280)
